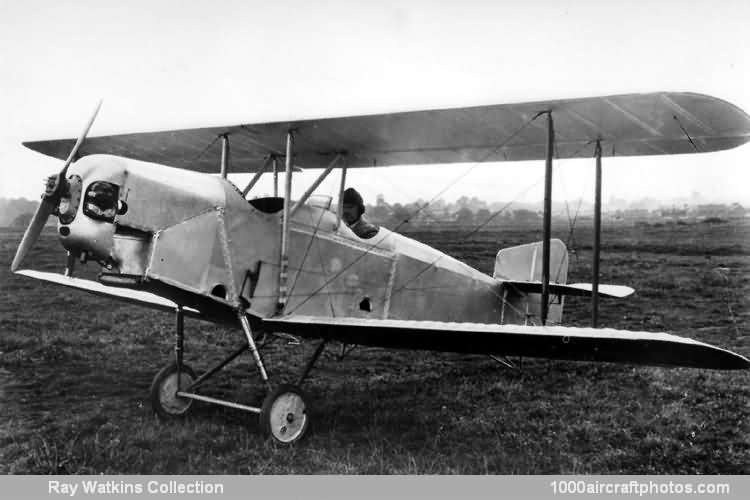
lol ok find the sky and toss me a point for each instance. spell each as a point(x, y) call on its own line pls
point(162, 65)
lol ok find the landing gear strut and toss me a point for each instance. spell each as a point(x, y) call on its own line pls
point(284, 414)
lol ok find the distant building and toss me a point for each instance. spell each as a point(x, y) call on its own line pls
point(674, 213)
point(636, 214)
point(710, 210)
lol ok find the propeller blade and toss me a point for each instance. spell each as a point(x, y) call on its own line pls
point(49, 202)
point(43, 211)
point(78, 143)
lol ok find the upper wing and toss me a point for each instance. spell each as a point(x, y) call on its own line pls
point(627, 125)
point(554, 342)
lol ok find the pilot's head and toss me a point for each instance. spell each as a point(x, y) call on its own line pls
point(354, 206)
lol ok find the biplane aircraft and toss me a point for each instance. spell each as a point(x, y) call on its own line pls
point(157, 212)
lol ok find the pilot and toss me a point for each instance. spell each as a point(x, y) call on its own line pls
point(353, 209)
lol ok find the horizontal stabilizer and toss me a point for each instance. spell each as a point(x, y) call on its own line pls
point(580, 289)
point(136, 297)
point(553, 342)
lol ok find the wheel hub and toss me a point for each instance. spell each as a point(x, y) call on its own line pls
point(286, 415)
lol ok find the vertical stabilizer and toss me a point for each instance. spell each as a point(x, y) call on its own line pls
point(524, 263)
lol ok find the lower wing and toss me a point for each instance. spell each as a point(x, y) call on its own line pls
point(553, 342)
point(126, 295)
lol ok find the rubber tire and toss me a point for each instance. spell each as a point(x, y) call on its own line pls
point(157, 403)
point(269, 418)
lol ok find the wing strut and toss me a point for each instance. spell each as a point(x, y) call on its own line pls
point(224, 156)
point(547, 217)
point(275, 176)
point(315, 184)
point(597, 236)
point(256, 177)
point(342, 186)
point(284, 260)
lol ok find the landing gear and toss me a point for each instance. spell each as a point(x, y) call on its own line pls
point(164, 399)
point(284, 414)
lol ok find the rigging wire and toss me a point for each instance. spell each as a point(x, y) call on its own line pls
point(200, 155)
point(684, 131)
point(724, 276)
point(572, 223)
point(495, 214)
point(307, 251)
point(428, 214)
point(470, 234)
point(445, 290)
point(571, 234)
point(424, 206)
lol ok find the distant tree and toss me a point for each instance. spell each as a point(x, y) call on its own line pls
point(379, 213)
point(463, 202)
point(418, 212)
point(400, 215)
point(482, 216)
point(737, 210)
point(714, 220)
point(436, 206)
point(523, 215)
point(22, 220)
point(465, 216)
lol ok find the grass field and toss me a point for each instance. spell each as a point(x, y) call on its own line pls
point(75, 372)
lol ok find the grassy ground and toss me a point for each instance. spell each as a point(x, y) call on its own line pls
point(75, 372)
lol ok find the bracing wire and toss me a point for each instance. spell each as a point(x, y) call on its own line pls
point(200, 155)
point(423, 207)
point(316, 228)
point(494, 214)
point(470, 234)
point(571, 234)
point(684, 131)
point(572, 223)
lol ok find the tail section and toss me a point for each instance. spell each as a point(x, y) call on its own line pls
point(520, 268)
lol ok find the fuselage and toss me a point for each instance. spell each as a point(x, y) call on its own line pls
point(186, 234)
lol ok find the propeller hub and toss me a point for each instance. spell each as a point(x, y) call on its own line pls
point(50, 201)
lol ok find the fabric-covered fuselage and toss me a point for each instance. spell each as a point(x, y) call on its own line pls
point(196, 233)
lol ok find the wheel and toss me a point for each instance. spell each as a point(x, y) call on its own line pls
point(284, 414)
point(164, 399)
